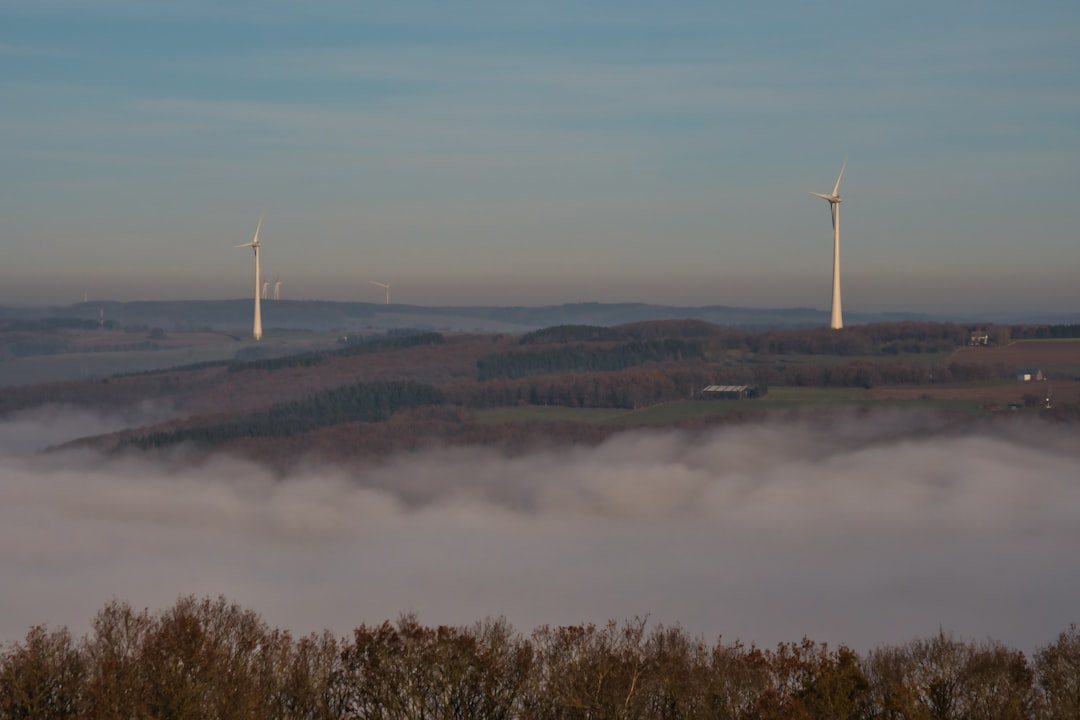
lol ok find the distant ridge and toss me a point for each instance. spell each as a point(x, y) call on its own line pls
point(326, 315)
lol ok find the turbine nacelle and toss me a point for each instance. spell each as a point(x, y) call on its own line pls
point(386, 286)
point(835, 197)
point(254, 244)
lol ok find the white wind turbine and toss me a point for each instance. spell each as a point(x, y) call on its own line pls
point(837, 320)
point(265, 289)
point(383, 285)
point(254, 245)
point(277, 289)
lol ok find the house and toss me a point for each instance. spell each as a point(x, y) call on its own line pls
point(1029, 374)
point(979, 339)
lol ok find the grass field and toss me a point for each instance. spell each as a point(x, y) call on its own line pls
point(779, 398)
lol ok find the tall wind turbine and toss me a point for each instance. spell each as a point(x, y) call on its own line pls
point(277, 289)
point(254, 245)
point(383, 285)
point(265, 289)
point(837, 320)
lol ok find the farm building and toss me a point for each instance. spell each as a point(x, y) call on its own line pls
point(1028, 374)
point(728, 392)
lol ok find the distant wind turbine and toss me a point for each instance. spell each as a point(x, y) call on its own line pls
point(265, 289)
point(277, 289)
point(254, 245)
point(837, 320)
point(383, 285)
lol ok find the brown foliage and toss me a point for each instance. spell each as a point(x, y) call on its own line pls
point(212, 659)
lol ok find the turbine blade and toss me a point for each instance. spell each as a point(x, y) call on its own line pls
point(836, 188)
point(246, 245)
point(257, 228)
point(824, 197)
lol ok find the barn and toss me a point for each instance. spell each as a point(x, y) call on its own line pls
point(727, 392)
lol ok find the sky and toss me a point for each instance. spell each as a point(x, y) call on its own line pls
point(503, 153)
point(862, 531)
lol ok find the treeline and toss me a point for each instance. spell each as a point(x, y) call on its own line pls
point(416, 429)
point(1044, 332)
point(391, 341)
point(213, 660)
point(47, 324)
point(120, 347)
point(645, 330)
point(890, 338)
point(872, 339)
point(867, 374)
point(571, 333)
point(628, 389)
point(18, 346)
point(37, 345)
point(368, 402)
point(581, 358)
point(378, 344)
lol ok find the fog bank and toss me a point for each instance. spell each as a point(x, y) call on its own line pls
point(862, 533)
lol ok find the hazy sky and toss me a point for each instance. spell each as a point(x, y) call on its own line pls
point(522, 153)
point(863, 532)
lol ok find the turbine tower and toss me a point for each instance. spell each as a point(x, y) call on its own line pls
point(265, 289)
point(837, 320)
point(254, 245)
point(383, 285)
point(277, 289)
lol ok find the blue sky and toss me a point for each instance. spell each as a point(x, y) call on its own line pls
point(528, 153)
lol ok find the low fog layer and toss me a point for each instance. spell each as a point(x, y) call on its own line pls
point(863, 533)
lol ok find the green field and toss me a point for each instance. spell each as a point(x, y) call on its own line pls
point(779, 398)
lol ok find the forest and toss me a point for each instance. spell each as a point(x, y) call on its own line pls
point(369, 402)
point(578, 358)
point(209, 658)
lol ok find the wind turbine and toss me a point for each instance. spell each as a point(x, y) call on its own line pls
point(383, 285)
point(277, 289)
point(265, 289)
point(837, 320)
point(254, 245)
